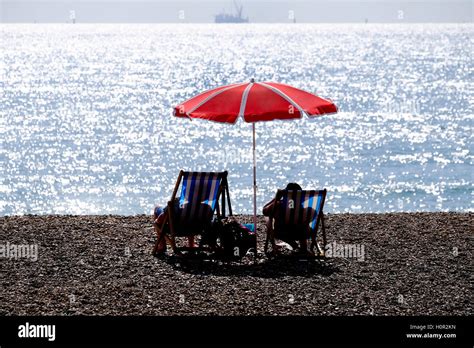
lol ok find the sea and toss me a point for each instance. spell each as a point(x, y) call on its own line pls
point(86, 123)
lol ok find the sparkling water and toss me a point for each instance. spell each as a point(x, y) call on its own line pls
point(86, 121)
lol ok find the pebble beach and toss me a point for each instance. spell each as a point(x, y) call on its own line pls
point(413, 264)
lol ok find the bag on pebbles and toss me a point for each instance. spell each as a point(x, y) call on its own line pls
point(235, 238)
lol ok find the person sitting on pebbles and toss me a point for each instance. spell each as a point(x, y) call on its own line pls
point(270, 220)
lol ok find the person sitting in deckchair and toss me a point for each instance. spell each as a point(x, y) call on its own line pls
point(192, 211)
point(287, 236)
point(158, 219)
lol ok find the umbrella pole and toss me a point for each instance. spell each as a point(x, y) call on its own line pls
point(254, 187)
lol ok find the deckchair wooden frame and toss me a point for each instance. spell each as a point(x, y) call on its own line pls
point(170, 218)
point(313, 231)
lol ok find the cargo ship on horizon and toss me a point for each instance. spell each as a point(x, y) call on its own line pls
point(231, 18)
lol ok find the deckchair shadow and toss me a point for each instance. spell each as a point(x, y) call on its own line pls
point(270, 268)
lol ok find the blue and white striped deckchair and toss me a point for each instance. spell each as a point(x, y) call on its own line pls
point(300, 209)
point(199, 194)
point(197, 204)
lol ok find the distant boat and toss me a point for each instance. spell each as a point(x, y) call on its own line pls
point(232, 18)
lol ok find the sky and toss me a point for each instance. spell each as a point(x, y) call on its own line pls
point(266, 11)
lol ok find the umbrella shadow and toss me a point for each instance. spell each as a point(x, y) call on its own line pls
point(261, 268)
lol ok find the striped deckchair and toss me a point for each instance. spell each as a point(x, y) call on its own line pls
point(192, 212)
point(299, 210)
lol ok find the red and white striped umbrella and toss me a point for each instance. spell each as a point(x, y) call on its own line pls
point(254, 102)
